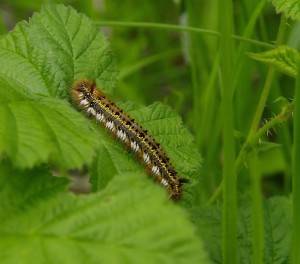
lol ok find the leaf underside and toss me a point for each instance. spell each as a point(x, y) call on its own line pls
point(284, 58)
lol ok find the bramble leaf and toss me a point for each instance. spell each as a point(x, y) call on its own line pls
point(277, 223)
point(166, 127)
point(39, 61)
point(284, 58)
point(47, 130)
point(290, 8)
point(129, 222)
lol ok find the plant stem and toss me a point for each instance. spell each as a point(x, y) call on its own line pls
point(282, 117)
point(296, 176)
point(229, 212)
point(267, 87)
point(258, 114)
point(262, 102)
point(257, 210)
point(131, 69)
point(194, 42)
point(179, 28)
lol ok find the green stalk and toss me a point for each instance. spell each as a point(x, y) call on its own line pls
point(278, 119)
point(179, 28)
point(131, 69)
point(262, 101)
point(229, 213)
point(257, 211)
point(258, 114)
point(296, 176)
point(194, 43)
point(267, 87)
point(208, 117)
point(249, 30)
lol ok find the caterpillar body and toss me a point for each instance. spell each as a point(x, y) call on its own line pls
point(94, 103)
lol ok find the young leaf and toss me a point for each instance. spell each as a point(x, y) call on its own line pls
point(290, 8)
point(40, 223)
point(166, 126)
point(39, 61)
point(284, 58)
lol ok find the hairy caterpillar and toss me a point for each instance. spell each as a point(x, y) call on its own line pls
point(94, 103)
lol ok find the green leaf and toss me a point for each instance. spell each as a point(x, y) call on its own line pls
point(41, 223)
point(47, 130)
point(284, 58)
point(277, 222)
point(166, 127)
point(290, 8)
point(44, 130)
point(209, 228)
point(39, 61)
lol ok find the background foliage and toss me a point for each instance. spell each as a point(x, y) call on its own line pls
point(127, 217)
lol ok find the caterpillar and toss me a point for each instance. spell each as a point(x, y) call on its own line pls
point(94, 103)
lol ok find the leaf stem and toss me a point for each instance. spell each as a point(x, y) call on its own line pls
point(130, 69)
point(296, 176)
point(258, 114)
point(267, 87)
point(278, 119)
point(253, 136)
point(229, 209)
point(257, 210)
point(179, 28)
